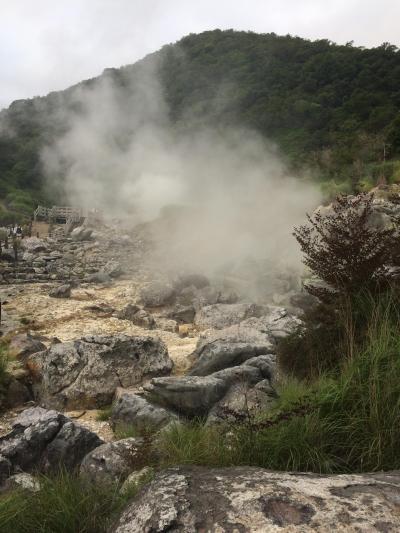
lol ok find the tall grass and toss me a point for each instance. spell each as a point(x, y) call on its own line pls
point(65, 503)
point(348, 421)
point(4, 358)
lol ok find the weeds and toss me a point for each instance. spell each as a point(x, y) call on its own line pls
point(64, 503)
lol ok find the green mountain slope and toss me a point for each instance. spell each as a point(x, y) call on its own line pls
point(333, 109)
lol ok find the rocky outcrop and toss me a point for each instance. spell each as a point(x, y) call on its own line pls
point(218, 349)
point(114, 461)
point(136, 411)
point(254, 500)
point(193, 396)
point(85, 373)
point(42, 441)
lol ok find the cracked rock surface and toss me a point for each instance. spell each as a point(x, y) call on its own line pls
point(247, 500)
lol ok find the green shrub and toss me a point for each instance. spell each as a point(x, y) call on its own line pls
point(64, 504)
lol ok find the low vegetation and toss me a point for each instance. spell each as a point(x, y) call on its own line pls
point(342, 422)
point(64, 503)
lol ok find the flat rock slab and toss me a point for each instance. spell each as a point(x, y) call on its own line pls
point(254, 500)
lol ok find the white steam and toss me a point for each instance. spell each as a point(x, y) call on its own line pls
point(122, 154)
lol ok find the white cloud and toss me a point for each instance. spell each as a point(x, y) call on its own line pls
point(47, 45)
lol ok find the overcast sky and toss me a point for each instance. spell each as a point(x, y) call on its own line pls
point(50, 44)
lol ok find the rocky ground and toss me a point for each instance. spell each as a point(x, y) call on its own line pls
point(90, 326)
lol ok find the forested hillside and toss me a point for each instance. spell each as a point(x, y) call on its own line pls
point(332, 109)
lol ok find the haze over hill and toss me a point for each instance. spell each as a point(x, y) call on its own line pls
point(329, 109)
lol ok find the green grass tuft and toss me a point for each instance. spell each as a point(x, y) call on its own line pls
point(64, 504)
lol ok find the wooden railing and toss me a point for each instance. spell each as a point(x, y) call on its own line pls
point(58, 213)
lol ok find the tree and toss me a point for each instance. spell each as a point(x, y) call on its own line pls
point(344, 249)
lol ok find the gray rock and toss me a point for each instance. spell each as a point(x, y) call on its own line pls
point(34, 245)
point(157, 294)
point(17, 393)
point(24, 344)
point(85, 373)
point(138, 316)
point(254, 500)
point(278, 323)
point(81, 234)
point(113, 269)
point(42, 440)
point(134, 410)
point(22, 481)
point(239, 403)
point(114, 461)
point(195, 395)
point(198, 298)
point(235, 344)
point(220, 316)
point(229, 347)
point(188, 395)
point(63, 291)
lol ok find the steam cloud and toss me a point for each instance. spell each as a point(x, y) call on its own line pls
point(122, 154)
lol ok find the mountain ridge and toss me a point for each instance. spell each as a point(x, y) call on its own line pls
point(334, 109)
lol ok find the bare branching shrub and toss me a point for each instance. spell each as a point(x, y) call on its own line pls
point(344, 249)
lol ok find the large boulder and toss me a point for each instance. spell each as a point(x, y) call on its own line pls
point(134, 410)
point(81, 233)
point(254, 500)
point(220, 316)
point(34, 245)
point(217, 349)
point(114, 461)
point(42, 440)
point(85, 373)
point(194, 396)
point(228, 347)
point(188, 395)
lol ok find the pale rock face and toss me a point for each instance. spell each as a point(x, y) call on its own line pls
point(86, 373)
point(254, 500)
